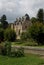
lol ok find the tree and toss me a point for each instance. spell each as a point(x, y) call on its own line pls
point(24, 36)
point(33, 20)
point(40, 15)
point(1, 34)
point(0, 25)
point(27, 17)
point(9, 35)
point(4, 22)
point(36, 31)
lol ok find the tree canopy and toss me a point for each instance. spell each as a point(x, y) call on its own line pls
point(27, 17)
point(36, 31)
point(40, 15)
point(4, 23)
point(33, 20)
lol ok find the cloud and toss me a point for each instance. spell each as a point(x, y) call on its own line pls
point(17, 8)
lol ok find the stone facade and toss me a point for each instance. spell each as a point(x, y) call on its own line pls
point(20, 25)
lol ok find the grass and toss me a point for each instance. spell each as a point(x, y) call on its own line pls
point(27, 60)
point(24, 43)
point(33, 44)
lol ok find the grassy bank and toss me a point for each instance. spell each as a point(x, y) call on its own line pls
point(27, 60)
point(26, 43)
point(32, 44)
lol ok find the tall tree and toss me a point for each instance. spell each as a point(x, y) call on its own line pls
point(1, 35)
point(27, 17)
point(4, 22)
point(40, 15)
point(33, 20)
point(36, 32)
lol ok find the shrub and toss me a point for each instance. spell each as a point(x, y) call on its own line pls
point(24, 36)
point(19, 52)
point(10, 35)
point(3, 51)
point(1, 47)
point(37, 33)
point(8, 47)
point(6, 50)
point(1, 35)
point(31, 43)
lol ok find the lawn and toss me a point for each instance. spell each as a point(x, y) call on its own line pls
point(26, 43)
point(27, 60)
point(32, 44)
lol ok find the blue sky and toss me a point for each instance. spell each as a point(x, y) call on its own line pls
point(18, 8)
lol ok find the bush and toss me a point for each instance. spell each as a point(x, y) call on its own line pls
point(1, 35)
point(6, 50)
point(19, 52)
point(10, 35)
point(37, 33)
point(1, 47)
point(31, 43)
point(24, 36)
point(3, 51)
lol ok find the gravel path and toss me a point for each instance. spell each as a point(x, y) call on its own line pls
point(33, 50)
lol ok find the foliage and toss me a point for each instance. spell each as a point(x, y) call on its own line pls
point(33, 20)
point(18, 52)
point(31, 42)
point(1, 46)
point(24, 36)
point(6, 50)
point(1, 34)
point(4, 22)
point(40, 15)
point(36, 31)
point(10, 35)
point(27, 17)
point(3, 18)
point(0, 25)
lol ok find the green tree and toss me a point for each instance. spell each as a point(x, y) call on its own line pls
point(9, 35)
point(0, 25)
point(24, 36)
point(4, 22)
point(33, 20)
point(1, 34)
point(36, 31)
point(40, 15)
point(27, 17)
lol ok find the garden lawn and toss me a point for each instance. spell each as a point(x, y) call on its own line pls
point(32, 44)
point(27, 60)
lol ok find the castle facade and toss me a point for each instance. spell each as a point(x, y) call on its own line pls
point(20, 25)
